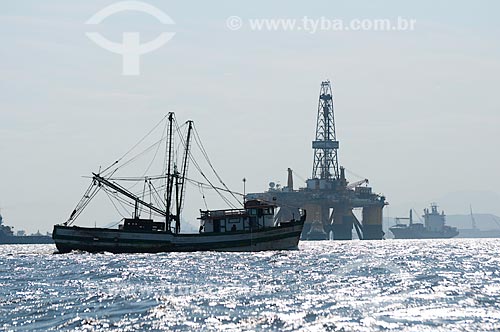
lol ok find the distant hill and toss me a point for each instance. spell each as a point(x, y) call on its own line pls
point(481, 201)
point(454, 203)
point(483, 221)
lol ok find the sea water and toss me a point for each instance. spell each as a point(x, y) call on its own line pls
point(392, 285)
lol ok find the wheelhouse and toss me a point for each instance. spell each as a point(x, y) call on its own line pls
point(255, 215)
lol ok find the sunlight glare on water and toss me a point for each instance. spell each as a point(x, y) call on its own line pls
point(393, 285)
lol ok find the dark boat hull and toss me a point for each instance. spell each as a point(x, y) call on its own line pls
point(283, 237)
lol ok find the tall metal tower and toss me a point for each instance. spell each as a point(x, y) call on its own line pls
point(326, 164)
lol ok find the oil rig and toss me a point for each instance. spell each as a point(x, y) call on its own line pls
point(327, 196)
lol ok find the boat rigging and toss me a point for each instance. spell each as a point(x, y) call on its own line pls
point(166, 191)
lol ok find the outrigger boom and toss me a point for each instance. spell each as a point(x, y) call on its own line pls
point(127, 193)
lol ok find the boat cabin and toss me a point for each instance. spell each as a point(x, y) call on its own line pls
point(255, 215)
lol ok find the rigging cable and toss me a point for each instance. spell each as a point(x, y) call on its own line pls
point(152, 160)
point(195, 163)
point(203, 195)
point(206, 186)
point(193, 160)
point(158, 196)
point(137, 156)
point(299, 176)
point(205, 154)
point(87, 197)
point(113, 203)
point(140, 141)
point(124, 201)
point(354, 174)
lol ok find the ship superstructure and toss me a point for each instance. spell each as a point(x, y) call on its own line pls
point(433, 227)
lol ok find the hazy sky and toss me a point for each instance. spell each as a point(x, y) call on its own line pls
point(417, 112)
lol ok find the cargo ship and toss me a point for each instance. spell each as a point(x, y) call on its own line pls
point(7, 236)
point(433, 227)
point(250, 228)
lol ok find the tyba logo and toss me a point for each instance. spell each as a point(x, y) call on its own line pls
point(131, 49)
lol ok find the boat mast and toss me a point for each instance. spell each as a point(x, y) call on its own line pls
point(473, 220)
point(170, 179)
point(182, 180)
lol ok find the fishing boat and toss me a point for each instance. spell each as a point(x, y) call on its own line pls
point(250, 227)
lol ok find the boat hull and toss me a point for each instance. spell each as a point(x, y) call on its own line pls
point(283, 237)
point(407, 233)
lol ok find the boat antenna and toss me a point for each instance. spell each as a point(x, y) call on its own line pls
point(244, 191)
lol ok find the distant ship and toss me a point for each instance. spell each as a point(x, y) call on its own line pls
point(7, 236)
point(433, 227)
point(475, 232)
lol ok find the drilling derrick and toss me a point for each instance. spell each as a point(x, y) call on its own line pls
point(326, 164)
point(326, 172)
point(327, 176)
